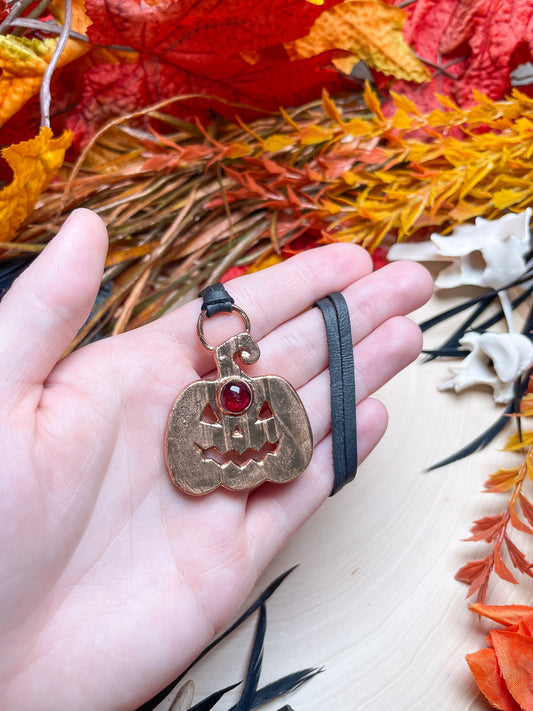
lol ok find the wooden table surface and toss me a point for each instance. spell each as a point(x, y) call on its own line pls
point(374, 600)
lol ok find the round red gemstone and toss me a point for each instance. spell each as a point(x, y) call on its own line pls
point(235, 397)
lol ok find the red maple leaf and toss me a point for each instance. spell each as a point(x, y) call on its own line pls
point(202, 47)
point(473, 44)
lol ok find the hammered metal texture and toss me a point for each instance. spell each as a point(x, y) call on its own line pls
point(275, 448)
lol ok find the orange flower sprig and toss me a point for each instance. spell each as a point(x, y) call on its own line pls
point(504, 671)
point(495, 531)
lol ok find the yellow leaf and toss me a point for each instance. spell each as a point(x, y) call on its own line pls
point(401, 119)
point(312, 135)
point(402, 102)
point(507, 197)
point(23, 62)
point(237, 150)
point(357, 127)
point(371, 31)
point(119, 256)
point(268, 260)
point(34, 164)
point(277, 142)
point(330, 109)
point(515, 442)
point(372, 101)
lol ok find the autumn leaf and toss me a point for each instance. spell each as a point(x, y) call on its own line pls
point(486, 528)
point(23, 61)
point(476, 574)
point(514, 652)
point(504, 671)
point(503, 479)
point(199, 48)
point(527, 508)
point(486, 672)
point(494, 30)
point(472, 45)
point(34, 164)
point(370, 31)
point(517, 617)
point(518, 559)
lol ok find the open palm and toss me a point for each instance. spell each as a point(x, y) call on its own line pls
point(113, 580)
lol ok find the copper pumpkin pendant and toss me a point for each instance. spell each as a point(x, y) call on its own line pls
point(236, 431)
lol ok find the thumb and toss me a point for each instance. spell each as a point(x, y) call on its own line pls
point(49, 302)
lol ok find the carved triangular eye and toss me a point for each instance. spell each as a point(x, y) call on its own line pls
point(265, 413)
point(209, 416)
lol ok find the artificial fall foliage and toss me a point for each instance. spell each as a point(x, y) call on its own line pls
point(469, 44)
point(371, 31)
point(220, 55)
point(496, 530)
point(504, 671)
point(34, 163)
point(24, 61)
point(232, 196)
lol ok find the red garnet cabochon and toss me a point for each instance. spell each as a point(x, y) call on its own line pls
point(235, 396)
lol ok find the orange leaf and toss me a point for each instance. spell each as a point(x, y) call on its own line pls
point(501, 569)
point(476, 574)
point(486, 528)
point(34, 164)
point(370, 31)
point(330, 109)
point(119, 256)
point(527, 508)
point(518, 559)
point(517, 522)
point(511, 616)
point(503, 479)
point(484, 667)
point(514, 653)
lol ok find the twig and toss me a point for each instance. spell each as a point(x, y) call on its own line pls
point(440, 69)
point(38, 10)
point(34, 13)
point(48, 26)
point(226, 203)
point(44, 95)
point(16, 11)
point(51, 27)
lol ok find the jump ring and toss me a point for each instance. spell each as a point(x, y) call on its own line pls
point(200, 326)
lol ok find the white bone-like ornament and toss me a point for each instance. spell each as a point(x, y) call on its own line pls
point(509, 353)
point(489, 253)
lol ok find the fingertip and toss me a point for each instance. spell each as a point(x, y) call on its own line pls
point(405, 339)
point(87, 224)
point(44, 308)
point(415, 279)
point(424, 280)
point(347, 254)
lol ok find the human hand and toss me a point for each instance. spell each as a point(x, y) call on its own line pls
point(113, 580)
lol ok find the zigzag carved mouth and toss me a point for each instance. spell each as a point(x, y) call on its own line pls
point(238, 458)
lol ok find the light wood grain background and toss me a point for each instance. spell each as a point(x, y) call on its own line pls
point(374, 601)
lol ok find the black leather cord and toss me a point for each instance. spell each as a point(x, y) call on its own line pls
point(216, 299)
point(342, 383)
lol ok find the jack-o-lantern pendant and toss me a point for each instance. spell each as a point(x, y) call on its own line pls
point(236, 431)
